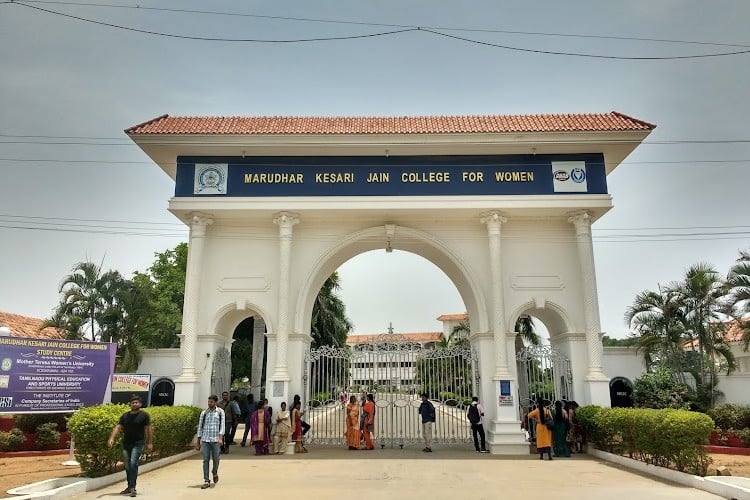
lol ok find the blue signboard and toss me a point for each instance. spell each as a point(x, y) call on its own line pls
point(391, 176)
point(46, 376)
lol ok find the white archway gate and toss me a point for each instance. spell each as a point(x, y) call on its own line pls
point(396, 371)
point(503, 205)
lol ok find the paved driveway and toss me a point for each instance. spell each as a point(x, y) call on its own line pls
point(401, 474)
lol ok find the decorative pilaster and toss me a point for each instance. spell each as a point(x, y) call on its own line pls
point(582, 222)
point(256, 373)
point(198, 224)
point(286, 222)
point(494, 221)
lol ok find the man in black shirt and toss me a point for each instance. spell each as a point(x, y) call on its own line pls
point(136, 427)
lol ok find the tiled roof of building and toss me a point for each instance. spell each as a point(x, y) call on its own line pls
point(23, 326)
point(453, 317)
point(331, 125)
point(732, 334)
point(413, 337)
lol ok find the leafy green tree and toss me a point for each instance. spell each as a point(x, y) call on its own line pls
point(608, 341)
point(166, 280)
point(330, 326)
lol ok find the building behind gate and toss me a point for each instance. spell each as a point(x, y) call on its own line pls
point(503, 205)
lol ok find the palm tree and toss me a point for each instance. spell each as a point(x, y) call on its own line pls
point(86, 293)
point(701, 293)
point(69, 326)
point(524, 329)
point(738, 290)
point(658, 321)
point(330, 326)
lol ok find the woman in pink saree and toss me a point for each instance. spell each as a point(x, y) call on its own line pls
point(260, 423)
point(352, 424)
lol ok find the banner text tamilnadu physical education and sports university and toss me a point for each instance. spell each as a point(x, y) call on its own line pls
point(288, 176)
point(47, 376)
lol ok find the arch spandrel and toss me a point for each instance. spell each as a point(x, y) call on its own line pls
point(554, 317)
point(228, 317)
point(409, 240)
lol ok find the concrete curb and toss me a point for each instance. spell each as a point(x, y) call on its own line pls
point(82, 485)
point(726, 486)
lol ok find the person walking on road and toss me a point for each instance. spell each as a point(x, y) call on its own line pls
point(210, 437)
point(475, 416)
point(226, 405)
point(136, 427)
point(427, 411)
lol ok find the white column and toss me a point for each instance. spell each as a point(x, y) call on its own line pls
point(198, 224)
point(256, 372)
point(494, 221)
point(286, 222)
point(504, 436)
point(582, 222)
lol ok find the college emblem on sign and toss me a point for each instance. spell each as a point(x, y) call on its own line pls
point(6, 364)
point(578, 175)
point(561, 175)
point(210, 179)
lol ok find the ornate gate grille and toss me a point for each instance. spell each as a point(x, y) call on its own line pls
point(395, 370)
point(542, 372)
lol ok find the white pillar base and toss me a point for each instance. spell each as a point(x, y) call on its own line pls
point(186, 392)
point(277, 391)
point(597, 392)
point(507, 438)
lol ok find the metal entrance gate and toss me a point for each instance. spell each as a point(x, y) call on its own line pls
point(396, 371)
point(542, 372)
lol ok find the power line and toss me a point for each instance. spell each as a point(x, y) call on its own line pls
point(388, 33)
point(212, 39)
point(589, 55)
point(391, 25)
point(70, 219)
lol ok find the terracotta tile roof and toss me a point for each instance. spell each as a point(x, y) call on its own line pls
point(23, 326)
point(414, 337)
point(732, 334)
point(453, 317)
point(331, 125)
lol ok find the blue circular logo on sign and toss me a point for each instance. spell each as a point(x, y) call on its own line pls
point(578, 175)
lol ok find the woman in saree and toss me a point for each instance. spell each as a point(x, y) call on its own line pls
point(297, 428)
point(260, 422)
point(560, 433)
point(352, 424)
point(543, 434)
point(283, 430)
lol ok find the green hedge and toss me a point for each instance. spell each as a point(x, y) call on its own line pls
point(11, 440)
point(174, 428)
point(667, 438)
point(29, 422)
point(730, 416)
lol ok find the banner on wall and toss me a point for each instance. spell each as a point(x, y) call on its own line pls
point(127, 385)
point(52, 376)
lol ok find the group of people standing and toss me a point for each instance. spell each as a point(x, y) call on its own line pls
point(557, 429)
point(216, 429)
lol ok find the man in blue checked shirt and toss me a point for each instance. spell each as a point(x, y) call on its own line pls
point(209, 439)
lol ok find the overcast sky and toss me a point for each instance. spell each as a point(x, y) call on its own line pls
point(75, 188)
